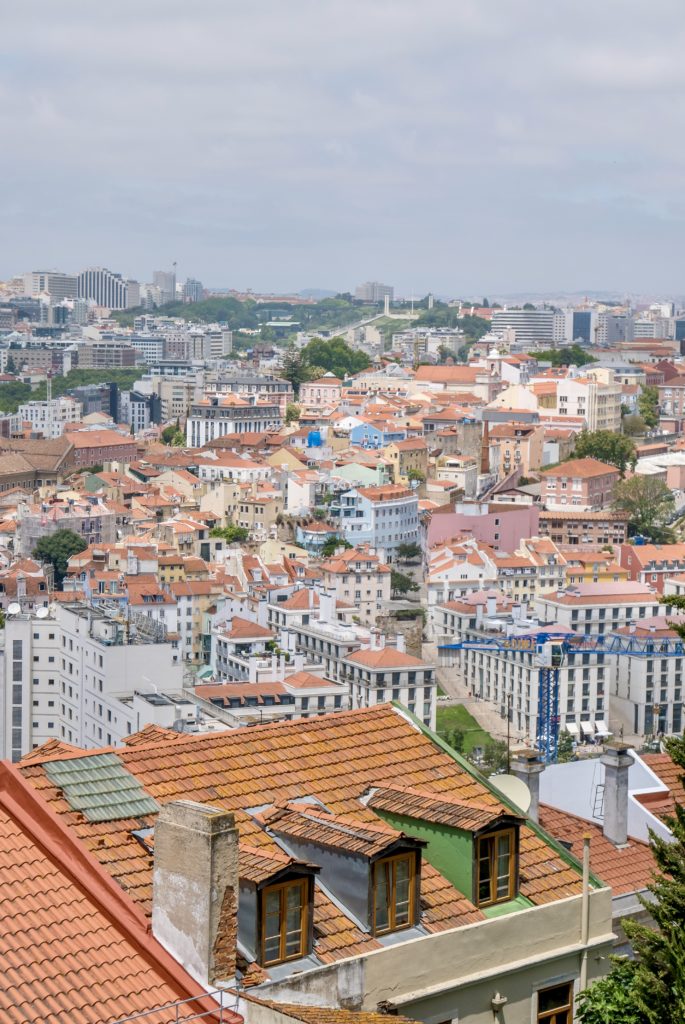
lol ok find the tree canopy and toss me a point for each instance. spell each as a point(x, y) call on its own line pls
point(401, 584)
point(231, 534)
point(335, 356)
point(56, 549)
point(571, 355)
point(649, 504)
point(648, 405)
point(606, 446)
point(331, 545)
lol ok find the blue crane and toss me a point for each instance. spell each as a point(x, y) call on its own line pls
point(551, 648)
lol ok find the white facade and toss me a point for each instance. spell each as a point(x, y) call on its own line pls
point(58, 286)
point(103, 287)
point(214, 418)
point(64, 677)
point(383, 517)
point(49, 418)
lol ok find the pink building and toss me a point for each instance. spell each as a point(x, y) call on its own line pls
point(503, 527)
point(584, 484)
point(321, 393)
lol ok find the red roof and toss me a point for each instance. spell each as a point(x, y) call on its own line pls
point(72, 944)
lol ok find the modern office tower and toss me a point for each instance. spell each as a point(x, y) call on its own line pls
point(530, 325)
point(583, 326)
point(103, 287)
point(58, 286)
point(166, 282)
point(374, 291)
point(192, 290)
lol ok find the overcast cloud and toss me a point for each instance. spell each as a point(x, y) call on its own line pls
point(466, 147)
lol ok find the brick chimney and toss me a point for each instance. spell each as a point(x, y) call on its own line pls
point(527, 766)
point(617, 761)
point(195, 888)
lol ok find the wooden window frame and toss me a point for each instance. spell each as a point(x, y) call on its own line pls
point(491, 838)
point(410, 857)
point(303, 884)
point(550, 1016)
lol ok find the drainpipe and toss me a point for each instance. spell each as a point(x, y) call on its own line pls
point(585, 912)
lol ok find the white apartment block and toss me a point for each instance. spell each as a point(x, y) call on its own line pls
point(215, 417)
point(598, 608)
point(595, 396)
point(647, 696)
point(383, 517)
point(50, 418)
point(67, 676)
point(57, 285)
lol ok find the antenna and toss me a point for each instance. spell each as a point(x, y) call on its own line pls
point(513, 788)
point(42, 613)
point(14, 608)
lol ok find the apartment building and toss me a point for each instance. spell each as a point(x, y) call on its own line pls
point(509, 677)
point(407, 456)
point(49, 418)
point(652, 564)
point(215, 417)
point(57, 285)
point(378, 674)
point(358, 577)
point(297, 695)
point(647, 697)
point(194, 598)
point(596, 397)
point(263, 388)
point(90, 518)
point(515, 446)
point(571, 527)
point(106, 354)
point(383, 517)
point(584, 484)
point(598, 608)
point(530, 326)
point(324, 393)
point(64, 675)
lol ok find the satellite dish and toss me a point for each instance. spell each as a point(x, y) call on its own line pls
point(513, 788)
point(42, 613)
point(14, 608)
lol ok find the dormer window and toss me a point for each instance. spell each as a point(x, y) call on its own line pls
point(284, 921)
point(394, 881)
point(496, 868)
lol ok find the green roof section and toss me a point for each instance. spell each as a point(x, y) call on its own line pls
point(100, 788)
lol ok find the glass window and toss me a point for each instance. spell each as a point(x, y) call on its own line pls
point(555, 1005)
point(496, 862)
point(393, 893)
point(284, 921)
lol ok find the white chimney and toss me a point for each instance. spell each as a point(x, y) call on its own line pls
point(195, 889)
point(492, 605)
point(527, 766)
point(401, 643)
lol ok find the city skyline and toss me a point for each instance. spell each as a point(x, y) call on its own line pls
point(447, 148)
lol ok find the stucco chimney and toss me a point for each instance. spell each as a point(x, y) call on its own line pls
point(527, 766)
point(195, 888)
point(617, 761)
point(492, 605)
point(401, 643)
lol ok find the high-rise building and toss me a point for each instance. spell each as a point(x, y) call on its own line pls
point(374, 291)
point(530, 325)
point(58, 285)
point(192, 290)
point(166, 282)
point(133, 295)
point(103, 287)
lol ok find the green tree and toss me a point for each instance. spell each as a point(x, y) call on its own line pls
point(528, 305)
point(405, 552)
point(633, 425)
point(416, 474)
point(495, 757)
point(335, 356)
point(331, 545)
point(565, 747)
point(401, 584)
point(571, 355)
point(649, 504)
point(648, 405)
point(56, 549)
point(456, 738)
point(606, 446)
point(296, 369)
point(678, 602)
point(11, 366)
point(292, 412)
point(231, 534)
point(613, 1000)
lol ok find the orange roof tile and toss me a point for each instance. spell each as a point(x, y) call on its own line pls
point(72, 945)
point(626, 868)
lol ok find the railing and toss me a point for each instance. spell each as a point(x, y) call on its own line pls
point(184, 1010)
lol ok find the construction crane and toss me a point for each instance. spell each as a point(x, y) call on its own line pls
point(550, 651)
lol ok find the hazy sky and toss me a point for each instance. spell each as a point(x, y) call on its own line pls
point(464, 146)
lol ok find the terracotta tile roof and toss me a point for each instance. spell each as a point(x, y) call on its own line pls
point(337, 832)
point(245, 629)
point(425, 806)
point(72, 946)
point(149, 734)
point(385, 657)
point(626, 869)
point(334, 758)
point(671, 775)
point(580, 468)
point(325, 1015)
point(257, 865)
